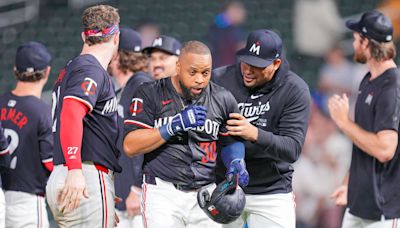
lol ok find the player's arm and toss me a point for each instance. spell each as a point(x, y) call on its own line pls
point(141, 141)
point(382, 141)
point(4, 150)
point(286, 143)
point(45, 138)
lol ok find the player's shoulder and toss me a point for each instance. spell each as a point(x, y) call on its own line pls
point(85, 65)
point(220, 92)
point(220, 74)
point(138, 79)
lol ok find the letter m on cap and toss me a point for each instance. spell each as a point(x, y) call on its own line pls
point(157, 42)
point(255, 48)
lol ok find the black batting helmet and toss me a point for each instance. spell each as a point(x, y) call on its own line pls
point(226, 202)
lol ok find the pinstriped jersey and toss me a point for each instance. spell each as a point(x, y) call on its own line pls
point(27, 124)
point(85, 80)
point(188, 158)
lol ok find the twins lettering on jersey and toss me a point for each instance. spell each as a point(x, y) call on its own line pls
point(210, 127)
point(253, 112)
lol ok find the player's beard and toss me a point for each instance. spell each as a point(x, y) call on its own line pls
point(186, 92)
point(359, 56)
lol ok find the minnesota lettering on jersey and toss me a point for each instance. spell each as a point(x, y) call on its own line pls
point(110, 106)
point(11, 114)
point(210, 127)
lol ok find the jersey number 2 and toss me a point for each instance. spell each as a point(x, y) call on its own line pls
point(14, 142)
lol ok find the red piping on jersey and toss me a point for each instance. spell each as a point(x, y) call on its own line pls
point(137, 123)
point(49, 165)
point(71, 131)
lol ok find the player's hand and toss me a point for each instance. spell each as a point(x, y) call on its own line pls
point(191, 117)
point(340, 195)
point(239, 126)
point(238, 166)
point(132, 203)
point(339, 109)
point(74, 188)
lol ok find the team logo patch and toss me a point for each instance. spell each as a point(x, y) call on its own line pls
point(89, 86)
point(369, 98)
point(136, 106)
point(255, 48)
point(213, 210)
point(157, 42)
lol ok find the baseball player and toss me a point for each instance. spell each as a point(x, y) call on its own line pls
point(27, 123)
point(274, 106)
point(4, 163)
point(176, 123)
point(370, 189)
point(128, 68)
point(163, 54)
point(80, 190)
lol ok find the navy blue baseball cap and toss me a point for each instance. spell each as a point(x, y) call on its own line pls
point(373, 25)
point(262, 48)
point(32, 56)
point(130, 40)
point(165, 43)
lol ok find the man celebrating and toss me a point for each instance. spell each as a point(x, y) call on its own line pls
point(274, 106)
point(163, 54)
point(372, 184)
point(176, 125)
point(81, 187)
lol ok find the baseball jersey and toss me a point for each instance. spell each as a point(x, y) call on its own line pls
point(373, 186)
point(131, 167)
point(85, 80)
point(4, 151)
point(280, 109)
point(27, 124)
point(189, 158)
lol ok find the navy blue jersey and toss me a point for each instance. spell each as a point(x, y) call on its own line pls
point(188, 158)
point(280, 109)
point(27, 124)
point(131, 167)
point(85, 80)
point(4, 151)
point(373, 186)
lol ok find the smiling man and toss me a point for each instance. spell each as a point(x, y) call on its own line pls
point(176, 125)
point(274, 106)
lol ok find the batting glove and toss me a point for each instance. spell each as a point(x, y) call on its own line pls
point(238, 166)
point(191, 117)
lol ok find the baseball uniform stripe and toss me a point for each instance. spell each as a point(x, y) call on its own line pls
point(144, 205)
point(137, 123)
point(101, 194)
point(5, 151)
point(80, 100)
point(105, 199)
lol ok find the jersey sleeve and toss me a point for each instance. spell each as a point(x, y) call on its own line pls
point(141, 111)
point(387, 109)
point(4, 152)
point(85, 84)
point(229, 107)
point(45, 138)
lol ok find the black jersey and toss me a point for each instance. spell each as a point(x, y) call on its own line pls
point(373, 186)
point(4, 152)
point(85, 80)
point(188, 158)
point(131, 167)
point(280, 109)
point(27, 124)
